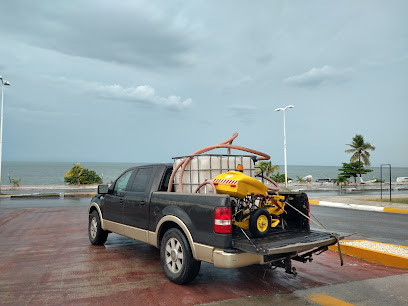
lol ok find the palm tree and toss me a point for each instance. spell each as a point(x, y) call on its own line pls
point(76, 172)
point(341, 180)
point(359, 148)
point(266, 167)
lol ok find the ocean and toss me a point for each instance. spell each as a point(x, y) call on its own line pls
point(52, 173)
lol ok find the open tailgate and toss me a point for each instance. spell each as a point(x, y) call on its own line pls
point(283, 242)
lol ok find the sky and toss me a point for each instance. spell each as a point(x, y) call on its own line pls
point(145, 81)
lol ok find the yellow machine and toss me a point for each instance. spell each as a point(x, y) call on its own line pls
point(254, 208)
point(238, 185)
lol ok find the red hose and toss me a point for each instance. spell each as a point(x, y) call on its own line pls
point(207, 183)
point(277, 188)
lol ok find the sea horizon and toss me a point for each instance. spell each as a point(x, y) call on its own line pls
point(165, 162)
point(52, 173)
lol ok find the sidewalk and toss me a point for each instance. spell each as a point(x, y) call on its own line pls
point(48, 191)
point(362, 202)
point(48, 187)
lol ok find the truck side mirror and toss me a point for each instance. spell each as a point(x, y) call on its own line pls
point(103, 189)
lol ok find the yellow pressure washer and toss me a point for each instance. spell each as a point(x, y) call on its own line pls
point(255, 209)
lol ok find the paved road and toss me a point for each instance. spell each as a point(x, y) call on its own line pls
point(374, 226)
point(46, 251)
point(44, 202)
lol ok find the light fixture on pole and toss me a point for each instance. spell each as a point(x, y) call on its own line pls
point(3, 83)
point(284, 139)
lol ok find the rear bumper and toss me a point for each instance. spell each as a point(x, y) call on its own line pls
point(222, 259)
point(226, 260)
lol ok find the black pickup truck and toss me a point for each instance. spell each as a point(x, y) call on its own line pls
point(189, 228)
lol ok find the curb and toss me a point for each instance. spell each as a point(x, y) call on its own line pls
point(35, 196)
point(48, 195)
point(386, 259)
point(360, 207)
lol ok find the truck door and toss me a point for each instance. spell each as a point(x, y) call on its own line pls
point(114, 202)
point(136, 200)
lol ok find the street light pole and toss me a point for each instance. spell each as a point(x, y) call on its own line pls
point(3, 83)
point(284, 140)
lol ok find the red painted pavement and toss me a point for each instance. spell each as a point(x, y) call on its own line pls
point(46, 258)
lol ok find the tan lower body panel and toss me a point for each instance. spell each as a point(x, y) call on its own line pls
point(202, 252)
point(126, 230)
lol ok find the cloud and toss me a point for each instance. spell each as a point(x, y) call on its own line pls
point(132, 33)
point(319, 76)
point(144, 95)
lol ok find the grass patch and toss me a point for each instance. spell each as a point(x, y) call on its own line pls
point(395, 200)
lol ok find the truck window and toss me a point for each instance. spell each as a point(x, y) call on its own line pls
point(142, 180)
point(122, 182)
point(165, 182)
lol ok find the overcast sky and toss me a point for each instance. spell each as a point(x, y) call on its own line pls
point(144, 81)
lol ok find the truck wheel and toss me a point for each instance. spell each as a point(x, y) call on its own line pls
point(97, 235)
point(177, 259)
point(260, 222)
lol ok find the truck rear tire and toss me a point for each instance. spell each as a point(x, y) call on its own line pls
point(260, 223)
point(97, 235)
point(177, 258)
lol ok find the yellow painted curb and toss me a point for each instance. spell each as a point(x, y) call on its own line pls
point(383, 258)
point(396, 210)
point(327, 300)
point(314, 202)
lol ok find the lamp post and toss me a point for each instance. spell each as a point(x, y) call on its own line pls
point(284, 139)
point(3, 83)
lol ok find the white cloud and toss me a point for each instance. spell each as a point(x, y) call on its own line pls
point(143, 94)
point(319, 76)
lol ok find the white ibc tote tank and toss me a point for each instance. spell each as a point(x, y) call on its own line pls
point(205, 167)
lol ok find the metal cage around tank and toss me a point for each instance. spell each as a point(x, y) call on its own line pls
point(205, 167)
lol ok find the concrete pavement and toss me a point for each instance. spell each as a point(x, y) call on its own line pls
point(390, 290)
point(46, 258)
point(361, 200)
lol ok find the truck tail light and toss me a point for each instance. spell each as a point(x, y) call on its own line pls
point(223, 220)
